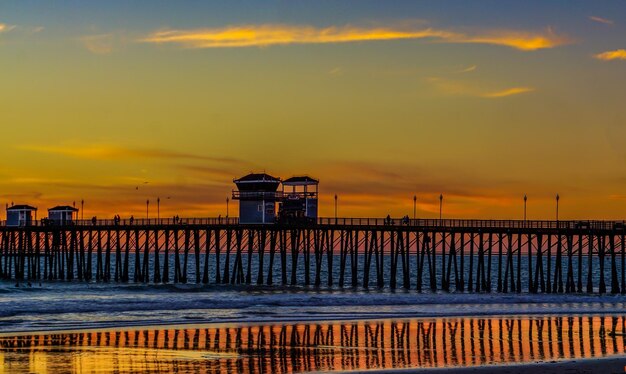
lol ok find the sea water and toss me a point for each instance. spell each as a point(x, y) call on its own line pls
point(47, 305)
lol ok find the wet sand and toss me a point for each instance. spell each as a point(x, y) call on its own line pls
point(584, 366)
point(507, 344)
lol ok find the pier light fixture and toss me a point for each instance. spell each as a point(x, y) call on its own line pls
point(147, 209)
point(227, 201)
point(158, 209)
point(525, 200)
point(557, 206)
point(440, 206)
point(414, 205)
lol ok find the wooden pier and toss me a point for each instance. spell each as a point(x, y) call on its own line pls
point(433, 255)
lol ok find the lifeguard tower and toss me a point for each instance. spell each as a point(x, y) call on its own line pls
point(299, 200)
point(257, 195)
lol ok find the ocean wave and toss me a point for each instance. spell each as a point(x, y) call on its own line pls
point(59, 305)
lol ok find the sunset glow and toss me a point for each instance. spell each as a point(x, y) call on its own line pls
point(116, 104)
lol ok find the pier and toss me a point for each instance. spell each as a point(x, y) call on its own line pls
point(421, 255)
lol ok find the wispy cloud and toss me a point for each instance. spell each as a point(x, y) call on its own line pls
point(601, 20)
point(335, 71)
point(100, 44)
point(467, 69)
point(461, 88)
point(618, 54)
point(4, 27)
point(522, 40)
point(37, 29)
point(279, 34)
point(111, 152)
point(508, 92)
point(372, 185)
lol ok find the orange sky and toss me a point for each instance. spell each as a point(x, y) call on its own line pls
point(116, 104)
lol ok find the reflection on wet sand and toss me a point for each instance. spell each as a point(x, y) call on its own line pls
point(297, 347)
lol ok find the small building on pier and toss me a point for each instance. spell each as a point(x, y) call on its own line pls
point(299, 200)
point(21, 215)
point(61, 215)
point(257, 195)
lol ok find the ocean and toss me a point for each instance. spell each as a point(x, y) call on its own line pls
point(48, 311)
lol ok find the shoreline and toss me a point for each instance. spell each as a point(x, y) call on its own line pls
point(612, 364)
point(295, 320)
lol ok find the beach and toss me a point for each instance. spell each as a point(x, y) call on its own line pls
point(589, 366)
point(81, 328)
point(559, 344)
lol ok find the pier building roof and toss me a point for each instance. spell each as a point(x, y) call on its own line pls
point(63, 208)
point(257, 182)
point(21, 207)
point(300, 180)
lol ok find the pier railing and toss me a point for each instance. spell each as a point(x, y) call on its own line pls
point(477, 223)
point(346, 221)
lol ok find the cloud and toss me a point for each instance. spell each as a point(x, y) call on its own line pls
point(521, 40)
point(198, 199)
point(451, 87)
point(224, 174)
point(467, 69)
point(280, 34)
point(100, 44)
point(6, 28)
point(601, 20)
point(376, 187)
point(508, 92)
point(110, 152)
point(336, 71)
point(618, 54)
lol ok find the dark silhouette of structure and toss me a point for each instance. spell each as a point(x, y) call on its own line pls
point(62, 215)
point(257, 198)
point(21, 215)
point(446, 255)
point(298, 203)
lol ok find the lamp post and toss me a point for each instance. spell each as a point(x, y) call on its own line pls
point(414, 205)
point(525, 200)
point(557, 207)
point(227, 200)
point(158, 210)
point(440, 206)
point(147, 211)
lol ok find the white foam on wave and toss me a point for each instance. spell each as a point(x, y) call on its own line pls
point(72, 305)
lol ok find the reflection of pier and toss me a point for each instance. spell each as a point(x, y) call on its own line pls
point(345, 346)
point(448, 255)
